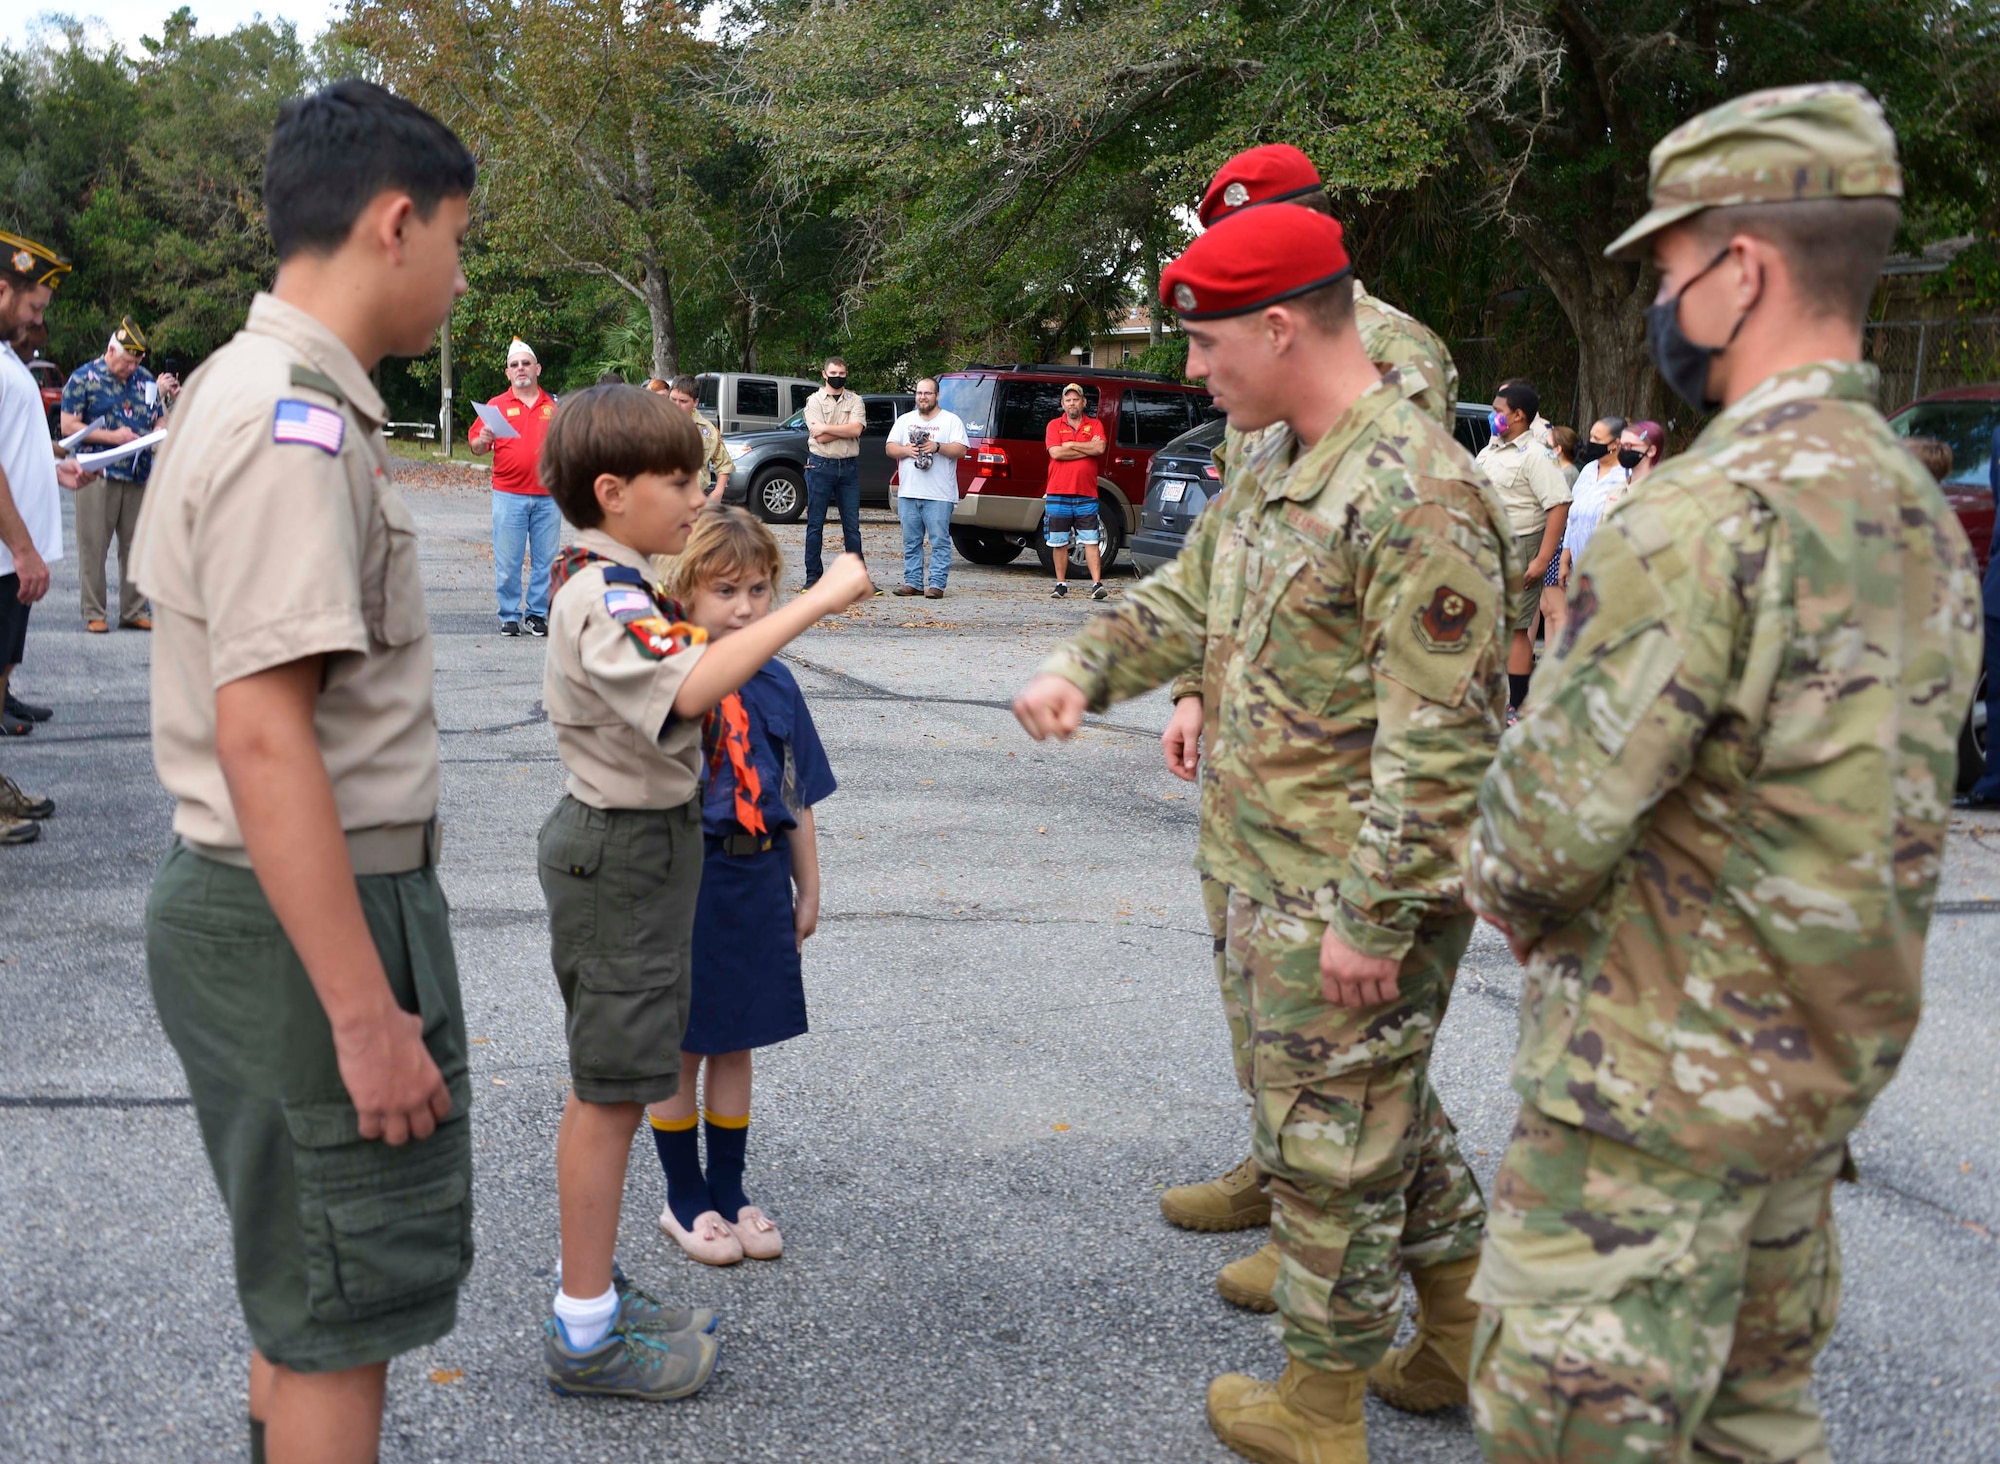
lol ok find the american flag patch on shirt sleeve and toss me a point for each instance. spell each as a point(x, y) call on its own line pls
point(322, 427)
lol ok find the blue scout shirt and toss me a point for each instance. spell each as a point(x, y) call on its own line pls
point(92, 392)
point(784, 744)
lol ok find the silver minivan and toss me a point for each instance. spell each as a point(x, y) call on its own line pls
point(748, 401)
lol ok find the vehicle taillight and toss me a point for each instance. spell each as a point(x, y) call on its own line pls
point(1209, 470)
point(992, 463)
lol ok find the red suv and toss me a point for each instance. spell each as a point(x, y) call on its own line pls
point(1006, 410)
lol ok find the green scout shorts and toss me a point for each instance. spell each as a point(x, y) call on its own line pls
point(348, 1251)
point(1526, 599)
point(621, 885)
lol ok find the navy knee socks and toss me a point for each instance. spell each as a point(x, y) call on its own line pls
point(678, 1144)
point(728, 1139)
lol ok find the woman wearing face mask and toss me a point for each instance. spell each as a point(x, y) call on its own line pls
point(1599, 484)
point(1640, 448)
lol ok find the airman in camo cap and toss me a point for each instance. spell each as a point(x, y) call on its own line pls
point(1714, 864)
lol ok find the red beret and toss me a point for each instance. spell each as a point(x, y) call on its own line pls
point(1269, 174)
point(1255, 257)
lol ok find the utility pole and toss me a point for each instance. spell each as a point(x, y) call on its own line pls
point(444, 370)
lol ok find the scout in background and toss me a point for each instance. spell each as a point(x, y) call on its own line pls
point(627, 685)
point(297, 940)
point(759, 896)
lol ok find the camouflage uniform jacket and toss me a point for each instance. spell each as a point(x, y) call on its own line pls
point(1345, 620)
point(1392, 339)
point(1722, 818)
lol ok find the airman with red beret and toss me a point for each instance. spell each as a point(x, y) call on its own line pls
point(1344, 612)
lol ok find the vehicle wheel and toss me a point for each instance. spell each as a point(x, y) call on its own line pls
point(983, 546)
point(1972, 741)
point(1111, 542)
point(779, 496)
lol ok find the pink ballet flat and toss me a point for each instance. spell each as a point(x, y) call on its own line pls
point(756, 1236)
point(713, 1240)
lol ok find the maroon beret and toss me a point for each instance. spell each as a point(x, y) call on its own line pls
point(1269, 174)
point(1255, 257)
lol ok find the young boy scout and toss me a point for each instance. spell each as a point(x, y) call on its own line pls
point(1417, 1376)
point(627, 685)
point(1715, 838)
point(296, 936)
point(1348, 632)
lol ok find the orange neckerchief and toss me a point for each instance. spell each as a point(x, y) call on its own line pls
point(733, 722)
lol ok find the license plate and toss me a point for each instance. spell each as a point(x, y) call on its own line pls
point(1173, 490)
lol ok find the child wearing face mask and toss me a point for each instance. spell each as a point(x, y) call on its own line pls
point(759, 899)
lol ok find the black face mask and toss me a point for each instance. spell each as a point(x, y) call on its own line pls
point(1630, 458)
point(836, 383)
point(1589, 452)
point(1682, 364)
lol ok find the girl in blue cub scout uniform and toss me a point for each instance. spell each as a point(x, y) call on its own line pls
point(759, 897)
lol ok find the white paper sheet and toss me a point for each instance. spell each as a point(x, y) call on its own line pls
point(92, 462)
point(69, 443)
point(496, 422)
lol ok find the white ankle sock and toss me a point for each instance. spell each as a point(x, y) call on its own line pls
point(586, 1322)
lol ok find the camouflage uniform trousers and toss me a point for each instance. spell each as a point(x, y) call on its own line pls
point(1635, 1310)
point(1365, 1173)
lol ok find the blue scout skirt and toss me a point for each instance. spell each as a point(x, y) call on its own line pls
point(747, 989)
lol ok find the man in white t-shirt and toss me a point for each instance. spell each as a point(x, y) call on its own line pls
point(30, 507)
point(926, 445)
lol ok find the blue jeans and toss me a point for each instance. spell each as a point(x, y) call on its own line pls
point(831, 481)
point(531, 524)
point(1988, 786)
point(921, 517)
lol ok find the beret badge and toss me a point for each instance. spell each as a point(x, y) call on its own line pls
point(23, 261)
point(1236, 195)
point(1184, 296)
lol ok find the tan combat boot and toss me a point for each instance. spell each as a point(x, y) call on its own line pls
point(1307, 1417)
point(1234, 1202)
point(1431, 1373)
point(1247, 1282)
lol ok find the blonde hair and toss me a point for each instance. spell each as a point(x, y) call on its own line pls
point(724, 542)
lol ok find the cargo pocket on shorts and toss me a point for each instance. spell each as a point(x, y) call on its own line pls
point(570, 857)
point(630, 1016)
point(384, 1229)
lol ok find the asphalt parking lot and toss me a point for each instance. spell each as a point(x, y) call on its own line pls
point(1015, 1046)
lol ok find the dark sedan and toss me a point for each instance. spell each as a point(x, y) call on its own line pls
point(770, 474)
point(1183, 479)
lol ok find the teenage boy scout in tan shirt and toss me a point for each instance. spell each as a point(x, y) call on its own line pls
point(823, 409)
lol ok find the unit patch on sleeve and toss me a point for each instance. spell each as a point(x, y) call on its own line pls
point(1446, 622)
point(660, 638)
point(320, 427)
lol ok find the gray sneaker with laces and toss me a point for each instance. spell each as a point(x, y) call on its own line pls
point(641, 1311)
point(628, 1364)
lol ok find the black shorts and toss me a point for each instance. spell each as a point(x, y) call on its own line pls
point(13, 621)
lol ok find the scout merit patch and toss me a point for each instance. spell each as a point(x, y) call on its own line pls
point(1443, 624)
point(319, 427)
point(660, 638)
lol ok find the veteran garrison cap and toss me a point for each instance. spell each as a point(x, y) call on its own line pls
point(1791, 144)
point(129, 338)
point(1253, 258)
point(37, 261)
point(1269, 174)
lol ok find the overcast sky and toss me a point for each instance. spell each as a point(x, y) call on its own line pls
point(127, 20)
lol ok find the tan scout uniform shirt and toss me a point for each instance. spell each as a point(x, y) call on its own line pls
point(272, 532)
point(1526, 478)
point(823, 411)
point(715, 459)
point(614, 668)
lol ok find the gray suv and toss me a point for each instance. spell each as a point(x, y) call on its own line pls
point(770, 474)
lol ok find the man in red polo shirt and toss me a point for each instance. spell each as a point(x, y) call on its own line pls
point(1075, 443)
point(525, 518)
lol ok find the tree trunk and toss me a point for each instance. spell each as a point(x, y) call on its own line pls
point(660, 311)
point(750, 336)
point(1153, 312)
point(1606, 304)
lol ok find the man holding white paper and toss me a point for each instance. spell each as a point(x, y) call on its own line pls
point(117, 391)
point(525, 518)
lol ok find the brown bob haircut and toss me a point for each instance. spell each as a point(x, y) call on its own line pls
point(620, 430)
point(726, 543)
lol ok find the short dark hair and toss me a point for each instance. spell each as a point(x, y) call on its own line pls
point(1330, 307)
point(1613, 424)
point(840, 361)
point(335, 150)
point(609, 378)
point(1519, 397)
point(1835, 246)
point(687, 386)
point(620, 430)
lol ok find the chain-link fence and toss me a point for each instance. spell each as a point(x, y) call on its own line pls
point(1919, 356)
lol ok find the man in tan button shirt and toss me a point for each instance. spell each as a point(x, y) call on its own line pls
point(835, 420)
point(1536, 496)
point(297, 941)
